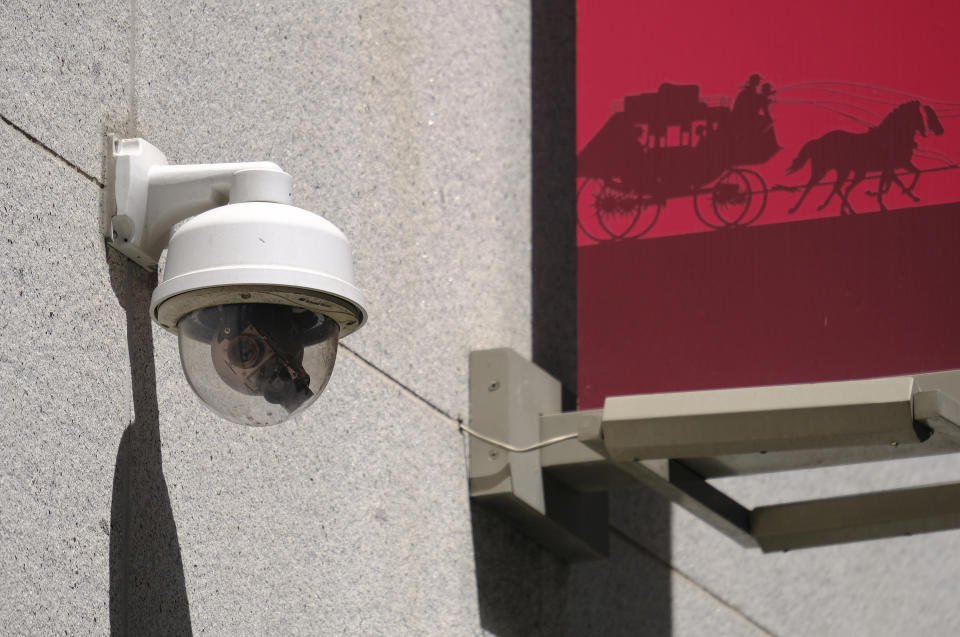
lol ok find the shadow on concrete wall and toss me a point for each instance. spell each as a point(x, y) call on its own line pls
point(148, 594)
point(523, 589)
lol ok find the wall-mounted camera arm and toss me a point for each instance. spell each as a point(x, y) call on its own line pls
point(152, 196)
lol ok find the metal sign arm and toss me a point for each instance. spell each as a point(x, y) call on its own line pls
point(674, 442)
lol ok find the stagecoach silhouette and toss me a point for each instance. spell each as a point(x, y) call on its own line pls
point(673, 144)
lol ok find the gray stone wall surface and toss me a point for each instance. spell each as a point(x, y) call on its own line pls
point(127, 508)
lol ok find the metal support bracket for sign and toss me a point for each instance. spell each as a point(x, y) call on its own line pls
point(674, 442)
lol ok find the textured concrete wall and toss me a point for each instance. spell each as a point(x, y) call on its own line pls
point(125, 506)
point(431, 134)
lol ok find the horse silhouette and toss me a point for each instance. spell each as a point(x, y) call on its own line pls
point(883, 148)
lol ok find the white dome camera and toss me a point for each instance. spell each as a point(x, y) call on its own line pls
point(259, 291)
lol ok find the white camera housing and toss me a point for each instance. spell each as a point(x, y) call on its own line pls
point(245, 244)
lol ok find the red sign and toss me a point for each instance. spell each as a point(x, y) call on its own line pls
point(767, 193)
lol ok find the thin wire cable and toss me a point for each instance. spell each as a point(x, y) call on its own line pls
point(509, 447)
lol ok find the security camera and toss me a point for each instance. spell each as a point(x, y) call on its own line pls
point(258, 291)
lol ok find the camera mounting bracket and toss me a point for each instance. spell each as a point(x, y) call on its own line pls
point(152, 197)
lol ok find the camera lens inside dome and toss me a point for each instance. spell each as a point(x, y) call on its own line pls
point(257, 364)
point(245, 352)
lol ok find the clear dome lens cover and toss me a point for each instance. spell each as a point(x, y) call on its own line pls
point(257, 364)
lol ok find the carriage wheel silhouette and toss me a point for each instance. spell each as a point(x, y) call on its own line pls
point(608, 210)
point(729, 200)
point(758, 196)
